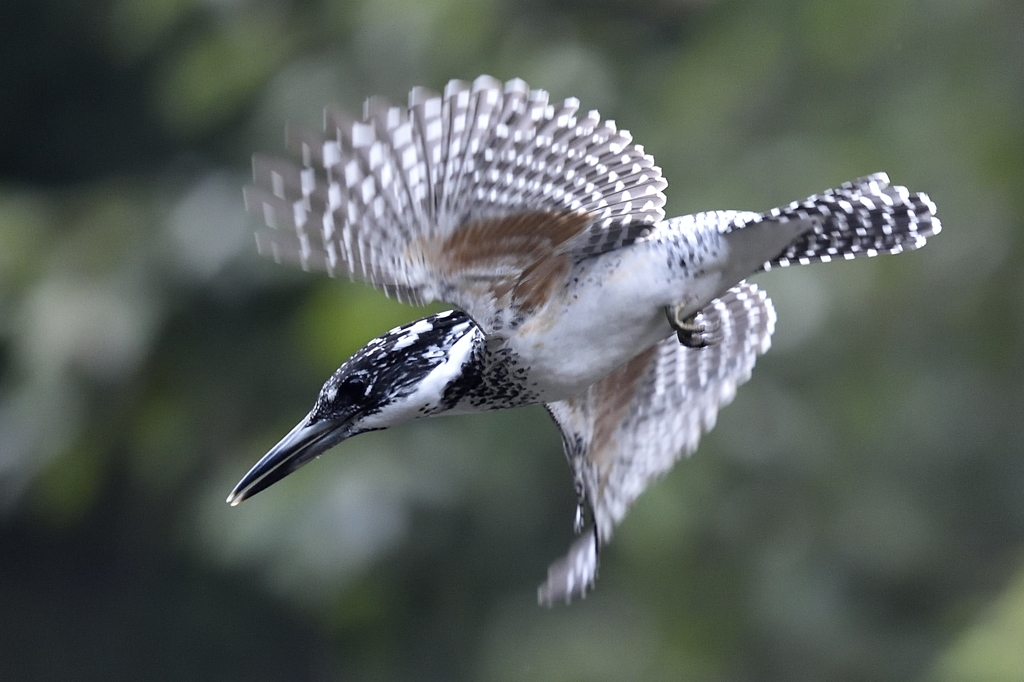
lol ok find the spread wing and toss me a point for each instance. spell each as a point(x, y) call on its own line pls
point(463, 197)
point(632, 426)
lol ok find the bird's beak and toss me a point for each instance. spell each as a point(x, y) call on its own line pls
point(303, 443)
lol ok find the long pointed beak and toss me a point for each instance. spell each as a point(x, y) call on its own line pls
point(303, 443)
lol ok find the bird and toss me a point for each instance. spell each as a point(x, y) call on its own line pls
point(545, 228)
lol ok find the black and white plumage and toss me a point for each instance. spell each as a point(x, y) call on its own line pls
point(547, 228)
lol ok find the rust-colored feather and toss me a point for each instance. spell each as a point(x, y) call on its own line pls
point(612, 399)
point(519, 254)
point(525, 237)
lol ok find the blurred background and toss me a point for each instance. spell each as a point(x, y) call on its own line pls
point(857, 514)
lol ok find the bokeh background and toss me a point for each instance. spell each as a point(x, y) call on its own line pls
point(857, 514)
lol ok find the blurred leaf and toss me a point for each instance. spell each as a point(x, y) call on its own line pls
point(847, 37)
point(67, 488)
point(24, 233)
point(137, 26)
point(204, 86)
point(992, 650)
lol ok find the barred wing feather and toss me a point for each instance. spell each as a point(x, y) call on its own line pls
point(453, 197)
point(631, 427)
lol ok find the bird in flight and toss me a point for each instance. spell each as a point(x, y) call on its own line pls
point(545, 227)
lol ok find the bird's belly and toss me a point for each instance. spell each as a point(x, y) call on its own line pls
point(614, 312)
point(560, 374)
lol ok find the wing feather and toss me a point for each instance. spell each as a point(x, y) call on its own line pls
point(380, 199)
point(631, 427)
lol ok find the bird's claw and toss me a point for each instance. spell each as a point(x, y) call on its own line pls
point(690, 332)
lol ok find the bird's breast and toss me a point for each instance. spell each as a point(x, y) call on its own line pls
point(611, 309)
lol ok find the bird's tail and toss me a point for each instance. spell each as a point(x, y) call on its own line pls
point(865, 217)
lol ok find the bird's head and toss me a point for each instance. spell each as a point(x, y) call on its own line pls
point(413, 371)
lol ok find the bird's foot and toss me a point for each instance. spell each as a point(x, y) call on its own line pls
point(691, 331)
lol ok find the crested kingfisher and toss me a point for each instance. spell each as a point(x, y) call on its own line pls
point(545, 228)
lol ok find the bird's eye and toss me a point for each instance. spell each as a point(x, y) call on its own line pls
point(352, 388)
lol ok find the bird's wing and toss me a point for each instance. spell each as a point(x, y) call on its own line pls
point(632, 426)
point(470, 197)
